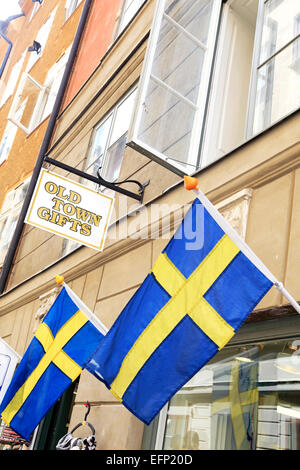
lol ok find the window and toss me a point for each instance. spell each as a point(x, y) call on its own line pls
point(9, 216)
point(71, 6)
point(35, 8)
point(12, 80)
point(68, 246)
point(276, 90)
point(51, 85)
point(175, 81)
point(39, 98)
point(296, 45)
point(107, 149)
point(7, 141)
point(247, 398)
point(42, 37)
point(215, 75)
point(130, 8)
point(9, 135)
point(109, 139)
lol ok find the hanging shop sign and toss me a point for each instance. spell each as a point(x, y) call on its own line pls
point(69, 209)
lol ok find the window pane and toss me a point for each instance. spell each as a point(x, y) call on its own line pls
point(29, 97)
point(8, 232)
point(41, 37)
point(245, 399)
point(278, 91)
point(193, 16)
point(175, 54)
point(122, 118)
point(114, 157)
point(9, 215)
point(167, 121)
point(279, 25)
point(99, 144)
point(12, 79)
point(175, 82)
point(7, 141)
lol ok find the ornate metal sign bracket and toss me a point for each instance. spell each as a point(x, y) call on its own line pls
point(102, 182)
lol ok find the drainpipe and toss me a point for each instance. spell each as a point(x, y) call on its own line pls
point(7, 53)
point(44, 147)
point(3, 30)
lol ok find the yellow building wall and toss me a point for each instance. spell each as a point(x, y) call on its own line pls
point(25, 149)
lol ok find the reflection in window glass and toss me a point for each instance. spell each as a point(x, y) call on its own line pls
point(171, 91)
point(192, 17)
point(7, 141)
point(246, 399)
point(114, 157)
point(277, 89)
point(109, 139)
point(9, 216)
point(95, 159)
point(278, 16)
point(175, 82)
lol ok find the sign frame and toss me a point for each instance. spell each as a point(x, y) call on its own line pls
point(31, 215)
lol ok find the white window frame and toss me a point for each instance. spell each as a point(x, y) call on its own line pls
point(113, 112)
point(41, 37)
point(70, 7)
point(35, 8)
point(256, 65)
point(13, 117)
point(12, 80)
point(9, 137)
point(192, 164)
point(10, 133)
point(68, 247)
point(52, 82)
point(9, 213)
point(125, 7)
point(296, 47)
point(54, 74)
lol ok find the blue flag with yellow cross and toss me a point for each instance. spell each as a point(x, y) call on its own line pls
point(200, 291)
point(56, 356)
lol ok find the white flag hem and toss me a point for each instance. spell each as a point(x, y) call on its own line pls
point(242, 245)
point(91, 316)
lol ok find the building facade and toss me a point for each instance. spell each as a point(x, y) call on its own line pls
point(158, 90)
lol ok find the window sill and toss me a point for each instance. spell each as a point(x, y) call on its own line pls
point(37, 60)
point(37, 127)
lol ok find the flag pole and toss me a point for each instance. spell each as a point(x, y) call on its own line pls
point(191, 183)
point(81, 305)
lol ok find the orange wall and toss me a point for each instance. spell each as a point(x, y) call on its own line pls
point(25, 149)
point(96, 39)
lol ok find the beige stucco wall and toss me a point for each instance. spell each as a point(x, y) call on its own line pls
point(267, 167)
point(106, 281)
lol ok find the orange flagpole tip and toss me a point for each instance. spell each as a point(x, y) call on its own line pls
point(190, 183)
point(59, 279)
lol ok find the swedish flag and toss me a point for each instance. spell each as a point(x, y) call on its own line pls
point(190, 305)
point(58, 352)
